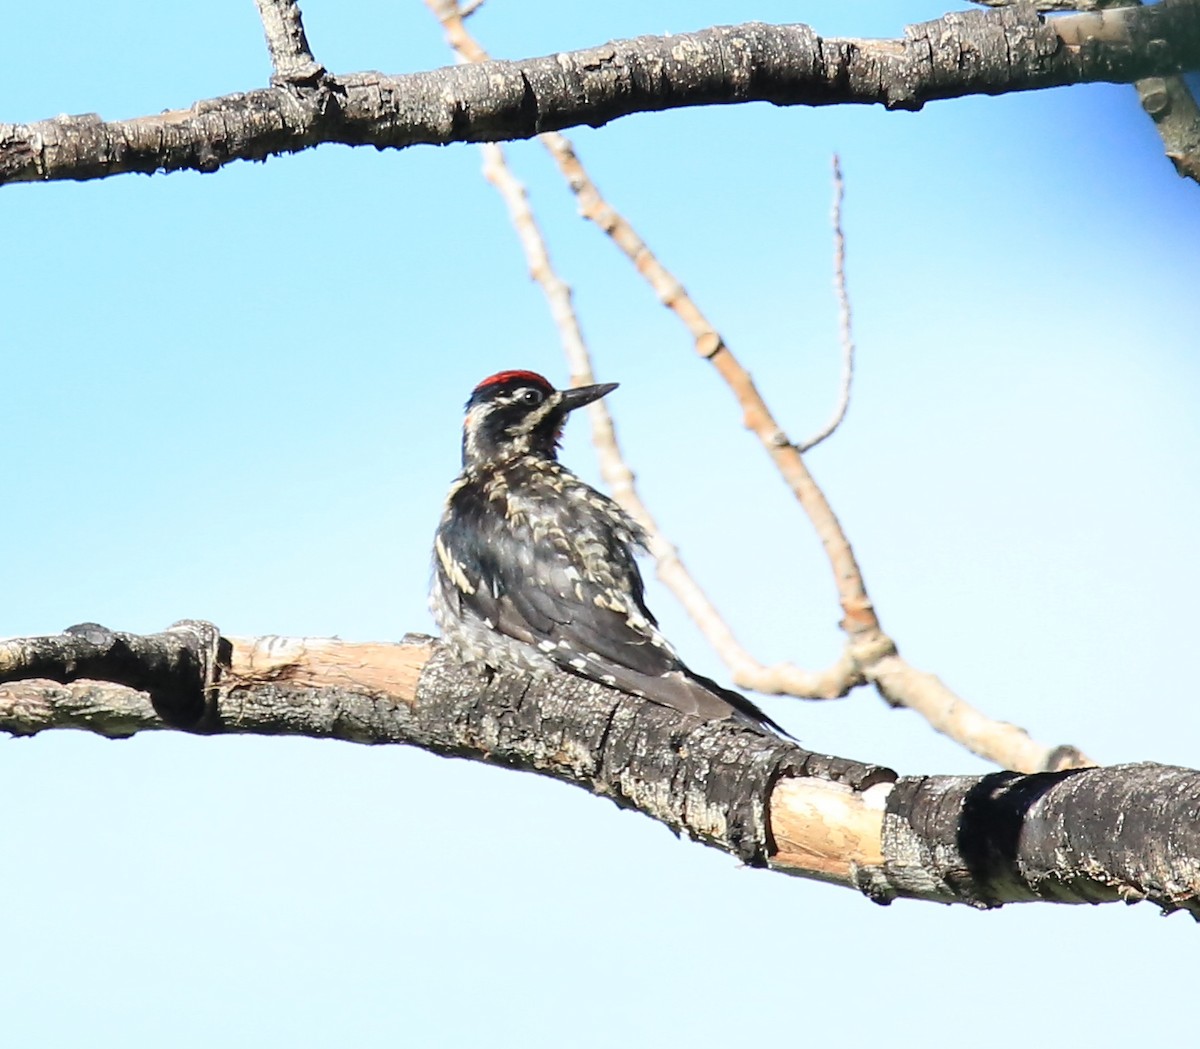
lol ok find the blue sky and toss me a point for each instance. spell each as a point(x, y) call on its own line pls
point(237, 397)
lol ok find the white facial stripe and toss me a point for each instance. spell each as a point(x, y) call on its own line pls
point(538, 415)
point(470, 429)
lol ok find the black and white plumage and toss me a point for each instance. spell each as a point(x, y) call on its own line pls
point(535, 569)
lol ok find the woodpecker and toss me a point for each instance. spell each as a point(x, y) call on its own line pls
point(534, 569)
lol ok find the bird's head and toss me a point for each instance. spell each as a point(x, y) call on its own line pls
point(518, 413)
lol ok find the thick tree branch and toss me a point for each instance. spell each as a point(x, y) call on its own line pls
point(1082, 836)
point(710, 780)
point(972, 52)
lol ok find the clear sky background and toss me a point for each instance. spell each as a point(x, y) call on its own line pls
point(237, 397)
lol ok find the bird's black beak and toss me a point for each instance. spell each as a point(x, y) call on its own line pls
point(581, 395)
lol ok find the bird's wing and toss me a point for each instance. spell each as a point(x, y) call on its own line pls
point(576, 608)
point(578, 599)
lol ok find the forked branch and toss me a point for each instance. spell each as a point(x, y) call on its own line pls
point(870, 654)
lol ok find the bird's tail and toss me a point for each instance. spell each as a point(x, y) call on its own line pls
point(690, 693)
point(743, 709)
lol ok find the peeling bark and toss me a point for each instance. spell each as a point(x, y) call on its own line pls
point(971, 52)
point(1077, 836)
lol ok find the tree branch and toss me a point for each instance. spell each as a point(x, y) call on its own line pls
point(1082, 836)
point(290, 54)
point(971, 52)
point(1173, 108)
point(845, 326)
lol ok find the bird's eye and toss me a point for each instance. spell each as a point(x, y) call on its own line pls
point(531, 396)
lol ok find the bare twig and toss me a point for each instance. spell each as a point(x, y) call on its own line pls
point(290, 53)
point(845, 328)
point(870, 654)
point(470, 7)
point(461, 42)
point(859, 619)
point(781, 678)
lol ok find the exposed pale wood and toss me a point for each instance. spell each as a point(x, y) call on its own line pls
point(825, 830)
point(376, 667)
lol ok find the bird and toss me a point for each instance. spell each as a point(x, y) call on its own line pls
point(534, 570)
